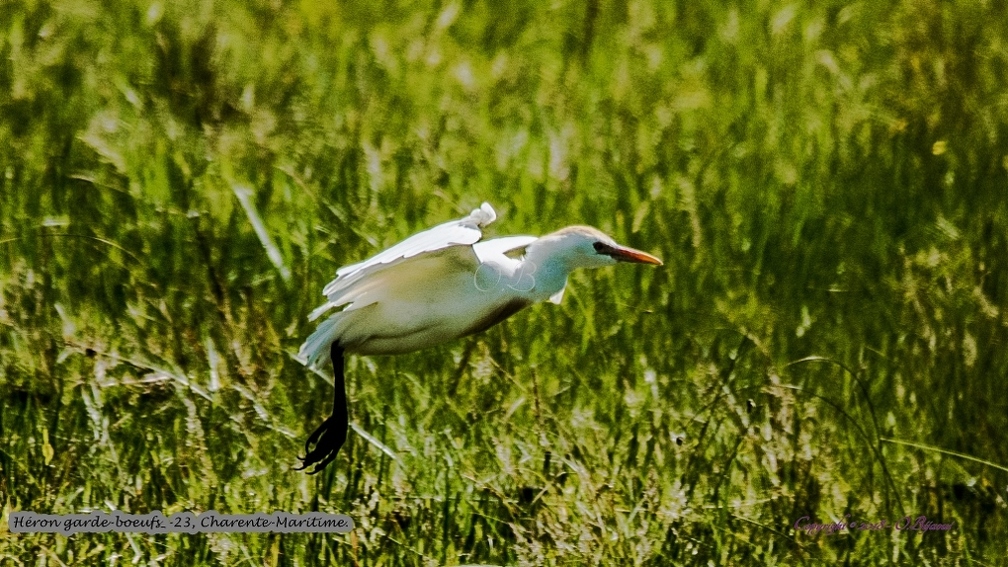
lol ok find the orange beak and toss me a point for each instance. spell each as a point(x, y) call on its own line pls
point(627, 254)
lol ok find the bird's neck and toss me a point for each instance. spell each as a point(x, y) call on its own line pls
point(548, 272)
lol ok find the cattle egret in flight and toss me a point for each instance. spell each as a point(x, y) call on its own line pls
point(436, 286)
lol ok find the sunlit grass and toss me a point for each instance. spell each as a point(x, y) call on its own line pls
point(826, 185)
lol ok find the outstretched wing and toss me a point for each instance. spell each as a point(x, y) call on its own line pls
point(464, 231)
point(497, 249)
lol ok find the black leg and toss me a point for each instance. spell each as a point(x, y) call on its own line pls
point(329, 437)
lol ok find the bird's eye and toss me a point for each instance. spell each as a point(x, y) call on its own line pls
point(600, 247)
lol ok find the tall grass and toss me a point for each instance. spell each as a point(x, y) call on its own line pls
point(826, 183)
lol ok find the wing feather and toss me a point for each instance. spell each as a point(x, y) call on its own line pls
point(464, 231)
point(496, 247)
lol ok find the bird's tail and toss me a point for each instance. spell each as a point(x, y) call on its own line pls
point(314, 353)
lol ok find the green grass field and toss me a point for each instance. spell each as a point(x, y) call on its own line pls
point(827, 183)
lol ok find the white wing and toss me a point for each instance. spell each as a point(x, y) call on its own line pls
point(464, 231)
point(494, 248)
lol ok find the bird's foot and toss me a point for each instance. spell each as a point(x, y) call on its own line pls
point(327, 439)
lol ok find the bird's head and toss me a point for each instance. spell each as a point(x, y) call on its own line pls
point(587, 247)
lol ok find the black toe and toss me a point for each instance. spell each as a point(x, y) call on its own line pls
point(326, 441)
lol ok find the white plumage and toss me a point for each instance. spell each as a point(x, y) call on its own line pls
point(439, 285)
point(418, 292)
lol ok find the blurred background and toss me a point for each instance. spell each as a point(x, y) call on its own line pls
point(827, 183)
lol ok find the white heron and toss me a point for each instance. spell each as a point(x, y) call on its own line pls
point(437, 286)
